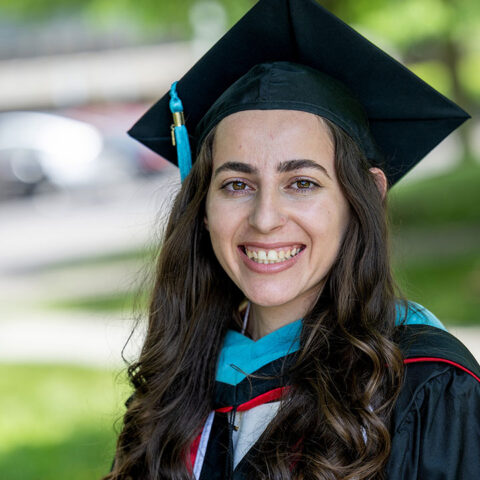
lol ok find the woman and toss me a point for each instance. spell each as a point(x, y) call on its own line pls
point(323, 373)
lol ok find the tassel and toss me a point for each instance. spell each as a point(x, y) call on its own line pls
point(180, 133)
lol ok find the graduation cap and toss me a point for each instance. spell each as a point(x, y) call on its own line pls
point(295, 55)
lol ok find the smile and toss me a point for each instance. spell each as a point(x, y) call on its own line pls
point(270, 256)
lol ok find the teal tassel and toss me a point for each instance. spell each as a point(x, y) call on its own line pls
point(180, 133)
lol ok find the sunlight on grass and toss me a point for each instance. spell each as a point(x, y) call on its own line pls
point(58, 421)
point(114, 302)
point(103, 259)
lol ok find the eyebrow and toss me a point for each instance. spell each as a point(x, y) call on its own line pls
point(236, 167)
point(282, 167)
point(291, 165)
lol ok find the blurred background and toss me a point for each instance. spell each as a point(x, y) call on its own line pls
point(82, 205)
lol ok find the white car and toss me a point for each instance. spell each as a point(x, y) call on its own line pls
point(44, 149)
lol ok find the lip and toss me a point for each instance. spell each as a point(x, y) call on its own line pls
point(271, 246)
point(271, 267)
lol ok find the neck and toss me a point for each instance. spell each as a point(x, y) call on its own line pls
point(264, 320)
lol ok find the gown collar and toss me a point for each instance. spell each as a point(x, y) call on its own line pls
point(242, 356)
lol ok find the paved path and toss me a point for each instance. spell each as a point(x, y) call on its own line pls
point(51, 229)
point(90, 340)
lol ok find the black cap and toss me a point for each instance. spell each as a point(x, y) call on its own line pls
point(295, 55)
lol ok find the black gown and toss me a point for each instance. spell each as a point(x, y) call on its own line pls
point(435, 424)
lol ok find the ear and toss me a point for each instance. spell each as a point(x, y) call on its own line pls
point(380, 180)
point(205, 222)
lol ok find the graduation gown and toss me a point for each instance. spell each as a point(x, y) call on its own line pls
point(435, 425)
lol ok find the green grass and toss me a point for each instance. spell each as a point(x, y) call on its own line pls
point(57, 422)
point(450, 198)
point(449, 287)
point(102, 259)
point(114, 302)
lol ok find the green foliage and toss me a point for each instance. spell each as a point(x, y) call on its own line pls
point(440, 263)
point(435, 74)
point(169, 16)
point(422, 30)
point(469, 73)
point(58, 421)
point(448, 286)
point(405, 22)
point(450, 198)
point(402, 21)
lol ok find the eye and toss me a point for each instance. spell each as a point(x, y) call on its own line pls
point(304, 185)
point(236, 186)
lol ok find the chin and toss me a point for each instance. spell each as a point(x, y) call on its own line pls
point(263, 302)
point(267, 299)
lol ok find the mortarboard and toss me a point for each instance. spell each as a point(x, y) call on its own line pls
point(294, 54)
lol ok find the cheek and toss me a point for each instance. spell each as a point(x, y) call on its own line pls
point(221, 225)
point(327, 223)
point(222, 238)
point(226, 216)
point(339, 211)
point(217, 233)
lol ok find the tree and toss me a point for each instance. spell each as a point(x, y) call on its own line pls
point(438, 38)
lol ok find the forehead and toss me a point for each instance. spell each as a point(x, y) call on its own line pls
point(271, 121)
point(272, 134)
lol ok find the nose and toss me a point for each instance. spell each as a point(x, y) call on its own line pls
point(267, 213)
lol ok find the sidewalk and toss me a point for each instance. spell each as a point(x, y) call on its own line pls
point(89, 339)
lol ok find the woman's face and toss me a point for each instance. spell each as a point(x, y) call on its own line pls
point(274, 209)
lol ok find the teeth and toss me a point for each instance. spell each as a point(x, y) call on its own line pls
point(272, 255)
point(265, 257)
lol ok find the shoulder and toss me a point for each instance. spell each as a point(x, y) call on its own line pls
point(427, 344)
point(431, 356)
point(435, 425)
point(412, 313)
point(434, 360)
point(430, 352)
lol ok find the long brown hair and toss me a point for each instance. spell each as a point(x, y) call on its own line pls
point(334, 423)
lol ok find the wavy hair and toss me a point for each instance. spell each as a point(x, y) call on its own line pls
point(334, 422)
